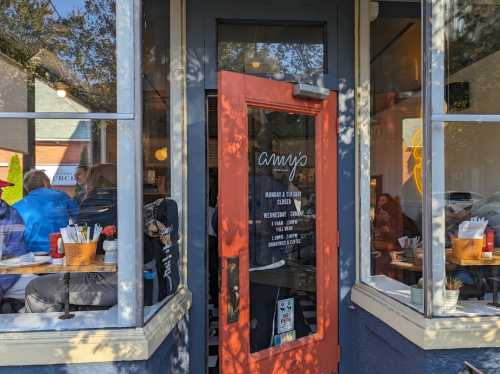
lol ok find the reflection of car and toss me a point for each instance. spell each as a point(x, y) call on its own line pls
point(489, 208)
point(460, 200)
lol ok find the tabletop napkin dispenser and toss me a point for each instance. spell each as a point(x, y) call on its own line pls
point(469, 243)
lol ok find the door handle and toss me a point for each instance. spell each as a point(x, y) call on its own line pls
point(233, 289)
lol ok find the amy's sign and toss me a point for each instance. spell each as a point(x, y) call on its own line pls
point(283, 162)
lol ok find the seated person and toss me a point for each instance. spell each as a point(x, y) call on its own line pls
point(99, 205)
point(11, 239)
point(387, 228)
point(43, 210)
point(81, 181)
point(46, 293)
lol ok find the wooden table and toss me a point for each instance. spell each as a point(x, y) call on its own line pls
point(405, 265)
point(410, 266)
point(481, 262)
point(97, 267)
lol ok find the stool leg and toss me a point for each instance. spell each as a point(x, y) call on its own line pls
point(67, 314)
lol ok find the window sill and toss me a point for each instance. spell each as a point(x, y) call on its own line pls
point(436, 333)
point(100, 345)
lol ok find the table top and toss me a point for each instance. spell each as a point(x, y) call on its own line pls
point(405, 265)
point(481, 262)
point(97, 267)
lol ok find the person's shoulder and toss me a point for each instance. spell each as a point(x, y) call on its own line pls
point(56, 194)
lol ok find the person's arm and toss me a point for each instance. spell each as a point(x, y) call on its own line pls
point(72, 207)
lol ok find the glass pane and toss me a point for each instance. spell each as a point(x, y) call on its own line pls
point(58, 56)
point(61, 171)
point(291, 52)
point(396, 254)
point(282, 226)
point(471, 190)
point(161, 215)
point(472, 56)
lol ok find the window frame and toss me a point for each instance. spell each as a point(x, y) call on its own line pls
point(423, 329)
point(434, 117)
point(130, 308)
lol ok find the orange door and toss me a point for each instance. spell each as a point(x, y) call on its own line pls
point(278, 310)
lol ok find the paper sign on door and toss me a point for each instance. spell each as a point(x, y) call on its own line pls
point(285, 315)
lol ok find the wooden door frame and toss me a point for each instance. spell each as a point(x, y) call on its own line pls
point(317, 353)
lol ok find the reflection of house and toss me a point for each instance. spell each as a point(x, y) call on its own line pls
point(58, 143)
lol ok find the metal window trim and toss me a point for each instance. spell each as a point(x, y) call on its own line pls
point(427, 170)
point(363, 150)
point(129, 164)
point(178, 122)
point(139, 162)
point(434, 159)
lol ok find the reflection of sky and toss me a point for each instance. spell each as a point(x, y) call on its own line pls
point(64, 7)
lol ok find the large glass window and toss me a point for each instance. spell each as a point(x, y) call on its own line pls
point(162, 257)
point(394, 260)
point(471, 56)
point(73, 244)
point(291, 52)
point(58, 56)
point(433, 174)
point(461, 143)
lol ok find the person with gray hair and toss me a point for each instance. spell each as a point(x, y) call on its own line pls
point(43, 210)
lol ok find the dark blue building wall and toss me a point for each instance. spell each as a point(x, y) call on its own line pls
point(171, 357)
point(380, 349)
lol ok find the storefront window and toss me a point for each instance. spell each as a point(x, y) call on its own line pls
point(472, 56)
point(58, 56)
point(453, 195)
point(291, 52)
point(162, 261)
point(73, 244)
point(470, 192)
point(395, 258)
point(65, 175)
point(461, 141)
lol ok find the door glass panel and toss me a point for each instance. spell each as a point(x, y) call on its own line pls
point(289, 52)
point(282, 227)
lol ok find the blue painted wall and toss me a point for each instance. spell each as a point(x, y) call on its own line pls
point(380, 349)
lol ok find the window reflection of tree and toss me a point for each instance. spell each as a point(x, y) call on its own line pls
point(76, 48)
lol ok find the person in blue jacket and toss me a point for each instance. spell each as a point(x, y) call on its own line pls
point(43, 210)
point(11, 238)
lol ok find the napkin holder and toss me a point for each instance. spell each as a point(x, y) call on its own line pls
point(78, 254)
point(467, 249)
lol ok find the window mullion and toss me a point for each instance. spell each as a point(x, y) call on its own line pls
point(129, 170)
point(434, 212)
point(364, 137)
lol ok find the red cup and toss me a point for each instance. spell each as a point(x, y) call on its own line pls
point(53, 239)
